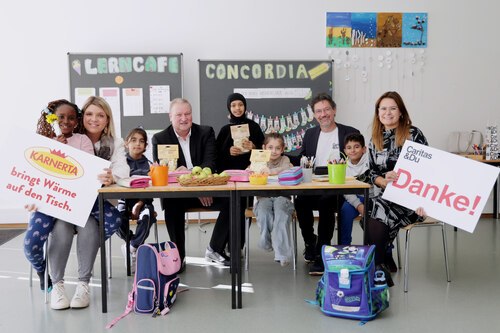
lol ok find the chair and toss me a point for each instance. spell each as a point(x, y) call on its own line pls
point(249, 215)
point(46, 275)
point(198, 210)
point(429, 222)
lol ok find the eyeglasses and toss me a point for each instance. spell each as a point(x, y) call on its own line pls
point(390, 108)
point(327, 109)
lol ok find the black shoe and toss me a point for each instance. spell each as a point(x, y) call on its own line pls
point(310, 251)
point(390, 263)
point(388, 278)
point(41, 276)
point(317, 268)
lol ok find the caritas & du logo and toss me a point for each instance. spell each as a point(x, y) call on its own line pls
point(412, 154)
point(53, 162)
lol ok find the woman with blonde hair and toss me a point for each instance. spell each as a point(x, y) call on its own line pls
point(98, 126)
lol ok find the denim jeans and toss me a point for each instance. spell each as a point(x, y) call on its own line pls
point(347, 214)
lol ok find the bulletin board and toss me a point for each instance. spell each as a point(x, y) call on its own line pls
point(278, 93)
point(138, 87)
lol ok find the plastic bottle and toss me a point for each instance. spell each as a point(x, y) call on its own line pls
point(344, 280)
point(380, 279)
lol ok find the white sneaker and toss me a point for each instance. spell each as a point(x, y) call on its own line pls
point(132, 258)
point(284, 263)
point(58, 299)
point(81, 298)
point(212, 256)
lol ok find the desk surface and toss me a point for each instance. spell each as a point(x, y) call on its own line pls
point(350, 184)
point(172, 187)
point(490, 161)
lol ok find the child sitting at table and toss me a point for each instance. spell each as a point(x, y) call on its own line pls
point(275, 214)
point(140, 209)
point(357, 165)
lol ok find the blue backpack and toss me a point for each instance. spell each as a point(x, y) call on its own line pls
point(350, 287)
point(155, 281)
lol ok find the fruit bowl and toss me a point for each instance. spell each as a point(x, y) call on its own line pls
point(258, 179)
point(206, 181)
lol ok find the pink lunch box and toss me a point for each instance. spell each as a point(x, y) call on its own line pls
point(238, 175)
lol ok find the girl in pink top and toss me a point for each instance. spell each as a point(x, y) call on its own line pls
point(63, 117)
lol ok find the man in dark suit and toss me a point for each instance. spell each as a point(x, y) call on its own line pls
point(325, 142)
point(196, 148)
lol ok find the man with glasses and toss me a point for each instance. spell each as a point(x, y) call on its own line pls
point(325, 142)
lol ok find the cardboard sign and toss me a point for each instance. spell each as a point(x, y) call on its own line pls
point(449, 187)
point(168, 152)
point(59, 179)
point(260, 155)
point(239, 134)
point(168, 155)
point(259, 159)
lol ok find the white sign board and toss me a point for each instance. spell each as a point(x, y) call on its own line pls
point(450, 188)
point(59, 179)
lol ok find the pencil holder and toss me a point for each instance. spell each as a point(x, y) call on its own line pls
point(159, 175)
point(336, 173)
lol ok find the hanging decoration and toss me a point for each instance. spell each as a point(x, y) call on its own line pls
point(292, 126)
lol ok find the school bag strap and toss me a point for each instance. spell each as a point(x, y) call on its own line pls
point(128, 309)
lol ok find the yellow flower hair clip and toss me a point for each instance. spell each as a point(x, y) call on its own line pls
point(51, 118)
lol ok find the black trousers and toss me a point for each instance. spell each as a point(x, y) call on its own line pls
point(175, 219)
point(220, 235)
point(326, 205)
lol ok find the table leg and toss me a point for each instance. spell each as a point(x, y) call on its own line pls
point(495, 198)
point(104, 273)
point(127, 244)
point(339, 217)
point(232, 245)
point(238, 247)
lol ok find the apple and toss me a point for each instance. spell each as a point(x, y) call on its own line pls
point(223, 174)
point(185, 176)
point(196, 170)
point(207, 170)
point(202, 175)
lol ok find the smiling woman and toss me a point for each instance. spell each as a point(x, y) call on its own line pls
point(392, 126)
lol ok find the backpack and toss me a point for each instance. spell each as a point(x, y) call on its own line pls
point(155, 280)
point(350, 286)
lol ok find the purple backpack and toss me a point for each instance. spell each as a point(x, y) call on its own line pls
point(350, 287)
point(155, 281)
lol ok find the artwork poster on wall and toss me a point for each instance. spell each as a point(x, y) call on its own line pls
point(361, 30)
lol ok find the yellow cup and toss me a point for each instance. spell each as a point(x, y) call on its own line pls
point(336, 173)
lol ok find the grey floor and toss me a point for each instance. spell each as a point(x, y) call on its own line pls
point(273, 299)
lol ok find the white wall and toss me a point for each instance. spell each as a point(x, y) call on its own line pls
point(457, 90)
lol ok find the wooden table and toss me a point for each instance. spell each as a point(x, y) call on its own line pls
point(233, 191)
point(275, 190)
point(170, 191)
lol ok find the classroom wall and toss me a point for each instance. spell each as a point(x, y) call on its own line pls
point(454, 85)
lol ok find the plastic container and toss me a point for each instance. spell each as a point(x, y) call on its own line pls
point(159, 175)
point(379, 279)
point(256, 179)
point(336, 173)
